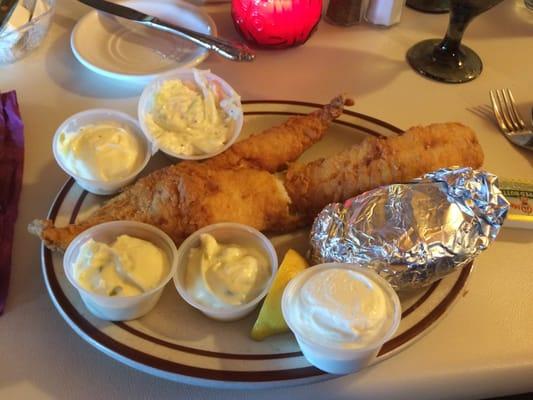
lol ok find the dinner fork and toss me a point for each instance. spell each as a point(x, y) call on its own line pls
point(509, 119)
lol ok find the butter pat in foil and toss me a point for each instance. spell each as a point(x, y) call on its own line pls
point(519, 193)
point(413, 234)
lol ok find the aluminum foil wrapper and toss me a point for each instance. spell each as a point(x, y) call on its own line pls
point(413, 234)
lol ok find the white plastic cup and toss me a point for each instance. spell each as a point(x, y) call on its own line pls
point(332, 357)
point(120, 308)
point(95, 116)
point(225, 232)
point(186, 75)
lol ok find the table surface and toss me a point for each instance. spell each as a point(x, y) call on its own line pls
point(483, 348)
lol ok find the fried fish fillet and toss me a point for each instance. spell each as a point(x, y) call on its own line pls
point(241, 184)
point(182, 200)
point(272, 149)
point(378, 161)
point(238, 185)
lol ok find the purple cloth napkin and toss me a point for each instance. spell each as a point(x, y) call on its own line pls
point(11, 165)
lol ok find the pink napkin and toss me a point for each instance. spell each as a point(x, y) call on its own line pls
point(11, 165)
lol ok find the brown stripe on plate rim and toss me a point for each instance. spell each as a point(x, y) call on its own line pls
point(236, 356)
point(421, 300)
point(249, 376)
point(432, 317)
point(368, 118)
point(158, 363)
point(205, 353)
point(77, 206)
point(58, 201)
point(339, 122)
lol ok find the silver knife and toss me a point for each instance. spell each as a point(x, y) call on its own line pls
point(6, 9)
point(228, 49)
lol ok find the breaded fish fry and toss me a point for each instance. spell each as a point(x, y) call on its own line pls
point(274, 148)
point(181, 203)
point(235, 186)
point(377, 161)
point(240, 185)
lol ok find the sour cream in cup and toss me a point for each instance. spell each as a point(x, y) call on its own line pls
point(340, 314)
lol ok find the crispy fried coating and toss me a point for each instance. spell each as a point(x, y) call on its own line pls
point(181, 203)
point(240, 185)
point(377, 161)
point(237, 186)
point(272, 149)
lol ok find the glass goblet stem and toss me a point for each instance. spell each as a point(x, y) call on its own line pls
point(447, 60)
point(449, 49)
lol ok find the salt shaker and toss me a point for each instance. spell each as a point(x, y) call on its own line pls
point(384, 12)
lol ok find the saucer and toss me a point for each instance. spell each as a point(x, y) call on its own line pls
point(122, 49)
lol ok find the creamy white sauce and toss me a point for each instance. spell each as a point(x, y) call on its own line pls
point(192, 118)
point(225, 275)
point(130, 266)
point(341, 306)
point(104, 152)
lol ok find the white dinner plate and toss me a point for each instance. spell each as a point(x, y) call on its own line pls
point(175, 341)
point(121, 49)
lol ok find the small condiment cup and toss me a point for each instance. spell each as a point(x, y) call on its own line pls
point(120, 308)
point(186, 75)
point(92, 117)
point(332, 357)
point(225, 233)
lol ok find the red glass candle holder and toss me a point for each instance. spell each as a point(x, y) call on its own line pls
point(276, 23)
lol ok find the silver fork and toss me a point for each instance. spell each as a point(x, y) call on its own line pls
point(509, 119)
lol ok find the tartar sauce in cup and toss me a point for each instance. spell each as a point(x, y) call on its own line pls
point(225, 275)
point(120, 268)
point(225, 270)
point(341, 315)
point(128, 267)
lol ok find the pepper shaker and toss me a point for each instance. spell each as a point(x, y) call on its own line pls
point(384, 12)
point(346, 12)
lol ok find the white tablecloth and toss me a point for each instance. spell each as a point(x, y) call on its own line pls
point(483, 348)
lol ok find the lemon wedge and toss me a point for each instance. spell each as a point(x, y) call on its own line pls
point(270, 319)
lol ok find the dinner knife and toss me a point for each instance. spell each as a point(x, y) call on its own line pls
point(228, 49)
point(6, 9)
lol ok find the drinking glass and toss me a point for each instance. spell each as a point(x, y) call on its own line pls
point(447, 60)
point(430, 6)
